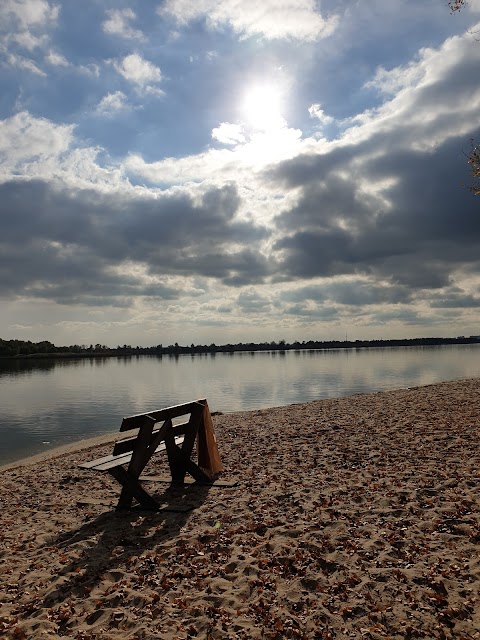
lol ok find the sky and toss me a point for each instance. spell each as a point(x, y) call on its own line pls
point(201, 171)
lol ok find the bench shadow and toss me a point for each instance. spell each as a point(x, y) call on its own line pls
point(108, 541)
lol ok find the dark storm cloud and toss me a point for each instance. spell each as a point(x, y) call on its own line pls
point(391, 204)
point(456, 302)
point(428, 226)
point(405, 316)
point(355, 293)
point(324, 313)
point(252, 301)
point(64, 244)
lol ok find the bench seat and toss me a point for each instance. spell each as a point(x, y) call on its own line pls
point(112, 461)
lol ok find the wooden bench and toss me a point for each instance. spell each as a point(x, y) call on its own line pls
point(156, 433)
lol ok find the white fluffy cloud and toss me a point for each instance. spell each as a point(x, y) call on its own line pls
point(28, 40)
point(24, 138)
point(19, 62)
point(112, 102)
point(316, 111)
point(139, 71)
point(56, 59)
point(292, 19)
point(29, 13)
point(422, 107)
point(37, 149)
point(224, 165)
point(228, 133)
point(25, 24)
point(118, 23)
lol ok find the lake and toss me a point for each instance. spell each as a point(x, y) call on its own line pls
point(47, 403)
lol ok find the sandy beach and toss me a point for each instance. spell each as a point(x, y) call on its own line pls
point(353, 518)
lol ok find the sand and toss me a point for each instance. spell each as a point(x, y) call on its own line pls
point(353, 518)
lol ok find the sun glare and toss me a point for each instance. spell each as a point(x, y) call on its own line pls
point(262, 108)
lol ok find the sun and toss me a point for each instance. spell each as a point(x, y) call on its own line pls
point(262, 107)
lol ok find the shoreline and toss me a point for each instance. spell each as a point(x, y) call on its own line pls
point(201, 350)
point(353, 517)
point(63, 449)
point(107, 438)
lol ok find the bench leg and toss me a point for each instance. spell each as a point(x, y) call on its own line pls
point(132, 489)
point(195, 471)
point(181, 464)
point(179, 458)
point(140, 457)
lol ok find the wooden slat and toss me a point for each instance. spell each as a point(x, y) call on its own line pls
point(104, 464)
point(179, 458)
point(127, 444)
point(133, 422)
point(133, 487)
point(93, 464)
point(109, 462)
point(140, 457)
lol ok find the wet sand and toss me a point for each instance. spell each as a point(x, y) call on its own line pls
point(356, 517)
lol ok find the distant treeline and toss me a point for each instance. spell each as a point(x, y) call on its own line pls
point(25, 348)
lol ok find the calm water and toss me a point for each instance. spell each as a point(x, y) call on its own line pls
point(46, 403)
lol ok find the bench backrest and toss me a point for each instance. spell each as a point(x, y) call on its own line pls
point(158, 416)
point(134, 422)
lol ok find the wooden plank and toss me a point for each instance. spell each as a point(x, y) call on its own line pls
point(188, 466)
point(127, 444)
point(179, 459)
point(109, 462)
point(140, 451)
point(178, 440)
point(134, 487)
point(191, 431)
point(99, 463)
point(196, 472)
point(140, 457)
point(133, 422)
point(173, 454)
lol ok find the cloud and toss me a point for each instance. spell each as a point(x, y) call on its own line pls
point(77, 245)
point(221, 165)
point(371, 227)
point(473, 6)
point(434, 98)
point(118, 23)
point(352, 292)
point(228, 133)
point(27, 14)
point(56, 59)
point(92, 70)
point(27, 40)
point(112, 102)
point(290, 19)
point(140, 72)
point(25, 24)
point(25, 64)
point(313, 312)
point(250, 301)
point(456, 300)
point(24, 138)
point(316, 111)
point(37, 148)
point(385, 200)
